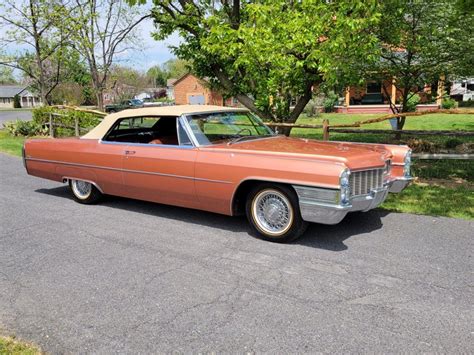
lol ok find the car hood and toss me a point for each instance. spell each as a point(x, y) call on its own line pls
point(353, 155)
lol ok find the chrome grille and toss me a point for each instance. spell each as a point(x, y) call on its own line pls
point(362, 182)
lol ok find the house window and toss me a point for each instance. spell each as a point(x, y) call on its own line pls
point(374, 88)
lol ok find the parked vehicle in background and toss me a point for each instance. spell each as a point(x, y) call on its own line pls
point(126, 104)
point(223, 160)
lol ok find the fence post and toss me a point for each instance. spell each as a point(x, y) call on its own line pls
point(51, 128)
point(325, 130)
point(76, 126)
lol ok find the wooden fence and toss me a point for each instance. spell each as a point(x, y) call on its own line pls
point(345, 128)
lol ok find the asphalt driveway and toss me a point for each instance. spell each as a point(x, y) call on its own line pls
point(13, 115)
point(129, 276)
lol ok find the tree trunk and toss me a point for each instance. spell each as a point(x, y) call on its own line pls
point(100, 99)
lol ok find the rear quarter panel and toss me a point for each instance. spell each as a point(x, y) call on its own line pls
point(84, 159)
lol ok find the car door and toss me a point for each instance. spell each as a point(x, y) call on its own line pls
point(161, 173)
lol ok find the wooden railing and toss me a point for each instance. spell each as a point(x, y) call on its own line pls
point(345, 128)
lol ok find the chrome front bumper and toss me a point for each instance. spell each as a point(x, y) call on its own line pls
point(317, 211)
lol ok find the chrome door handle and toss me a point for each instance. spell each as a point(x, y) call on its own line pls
point(129, 152)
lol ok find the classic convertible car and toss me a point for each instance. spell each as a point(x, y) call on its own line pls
point(223, 160)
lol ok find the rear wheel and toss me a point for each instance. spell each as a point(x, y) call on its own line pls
point(274, 214)
point(84, 192)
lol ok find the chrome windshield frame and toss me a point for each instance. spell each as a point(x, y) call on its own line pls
point(185, 121)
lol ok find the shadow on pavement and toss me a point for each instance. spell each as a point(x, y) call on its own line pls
point(317, 235)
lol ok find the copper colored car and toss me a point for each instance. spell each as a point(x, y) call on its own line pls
point(223, 160)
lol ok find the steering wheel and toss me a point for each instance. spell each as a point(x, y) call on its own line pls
point(244, 129)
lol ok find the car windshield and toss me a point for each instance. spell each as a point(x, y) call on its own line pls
point(136, 102)
point(227, 127)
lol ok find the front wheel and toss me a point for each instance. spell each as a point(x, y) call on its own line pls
point(84, 192)
point(274, 214)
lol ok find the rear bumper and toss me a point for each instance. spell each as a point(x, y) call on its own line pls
point(313, 210)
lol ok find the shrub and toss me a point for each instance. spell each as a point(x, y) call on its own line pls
point(452, 143)
point(329, 102)
point(24, 128)
point(16, 101)
point(468, 103)
point(448, 103)
point(422, 146)
point(67, 117)
point(412, 102)
point(311, 109)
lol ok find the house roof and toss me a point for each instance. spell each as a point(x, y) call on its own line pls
point(178, 110)
point(170, 82)
point(11, 90)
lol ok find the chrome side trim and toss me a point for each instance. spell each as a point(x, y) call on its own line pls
point(147, 145)
point(128, 170)
point(67, 178)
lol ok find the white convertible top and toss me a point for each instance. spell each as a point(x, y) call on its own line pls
point(102, 128)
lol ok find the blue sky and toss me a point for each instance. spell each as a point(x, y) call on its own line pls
point(152, 53)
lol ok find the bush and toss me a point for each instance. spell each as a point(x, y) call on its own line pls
point(311, 109)
point(412, 102)
point(448, 103)
point(68, 117)
point(329, 102)
point(422, 146)
point(16, 101)
point(24, 128)
point(468, 103)
point(452, 143)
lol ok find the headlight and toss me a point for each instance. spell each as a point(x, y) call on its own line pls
point(345, 186)
point(407, 164)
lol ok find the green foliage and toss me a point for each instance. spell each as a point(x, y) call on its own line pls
point(421, 41)
point(410, 105)
point(448, 103)
point(311, 109)
point(269, 54)
point(16, 101)
point(6, 75)
point(468, 103)
point(330, 101)
point(67, 117)
point(24, 128)
point(453, 143)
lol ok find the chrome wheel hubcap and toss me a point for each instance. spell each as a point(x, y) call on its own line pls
point(82, 189)
point(272, 212)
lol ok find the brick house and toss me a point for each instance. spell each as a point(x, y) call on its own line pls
point(189, 89)
point(375, 97)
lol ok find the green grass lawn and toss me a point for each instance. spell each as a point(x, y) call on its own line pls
point(12, 346)
point(433, 200)
point(10, 144)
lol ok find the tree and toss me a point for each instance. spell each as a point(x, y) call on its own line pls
point(16, 101)
point(269, 54)
point(6, 75)
point(37, 26)
point(421, 41)
point(175, 68)
point(156, 76)
point(126, 82)
point(101, 30)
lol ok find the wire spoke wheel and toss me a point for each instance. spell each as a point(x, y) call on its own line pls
point(272, 212)
point(82, 189)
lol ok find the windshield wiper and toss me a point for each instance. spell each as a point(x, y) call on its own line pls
point(241, 138)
